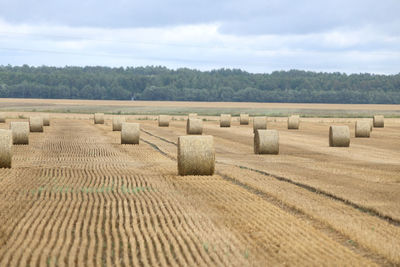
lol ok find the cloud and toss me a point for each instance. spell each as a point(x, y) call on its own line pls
point(258, 36)
point(235, 16)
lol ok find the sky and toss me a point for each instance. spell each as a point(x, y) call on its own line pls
point(258, 36)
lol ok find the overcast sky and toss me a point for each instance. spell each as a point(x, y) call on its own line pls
point(253, 35)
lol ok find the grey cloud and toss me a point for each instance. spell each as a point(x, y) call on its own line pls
point(255, 35)
point(304, 17)
point(110, 14)
point(235, 16)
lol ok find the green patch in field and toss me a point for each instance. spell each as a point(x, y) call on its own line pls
point(91, 190)
point(201, 111)
point(205, 247)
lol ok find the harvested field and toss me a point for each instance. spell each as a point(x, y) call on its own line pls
point(201, 108)
point(76, 196)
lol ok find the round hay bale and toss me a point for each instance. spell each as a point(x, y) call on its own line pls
point(293, 122)
point(194, 126)
point(244, 119)
point(196, 155)
point(363, 128)
point(36, 124)
point(46, 119)
point(163, 120)
point(2, 117)
point(225, 120)
point(379, 121)
point(192, 115)
point(371, 124)
point(20, 132)
point(266, 142)
point(98, 118)
point(5, 148)
point(259, 123)
point(130, 133)
point(339, 136)
point(117, 123)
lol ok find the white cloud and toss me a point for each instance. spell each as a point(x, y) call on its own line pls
point(200, 46)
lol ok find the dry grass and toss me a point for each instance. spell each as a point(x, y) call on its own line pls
point(196, 155)
point(117, 123)
point(354, 174)
point(339, 136)
point(36, 124)
point(194, 126)
point(130, 133)
point(379, 121)
point(46, 119)
point(20, 132)
point(163, 120)
point(193, 104)
point(266, 142)
point(200, 220)
point(362, 128)
point(2, 117)
point(99, 118)
point(5, 148)
point(225, 120)
point(244, 119)
point(259, 123)
point(294, 122)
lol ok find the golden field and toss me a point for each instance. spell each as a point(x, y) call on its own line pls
point(76, 196)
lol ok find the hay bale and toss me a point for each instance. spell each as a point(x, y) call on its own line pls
point(20, 132)
point(339, 136)
point(293, 122)
point(46, 119)
point(36, 124)
point(363, 128)
point(117, 123)
point(244, 119)
point(5, 148)
point(130, 133)
point(163, 120)
point(266, 142)
point(259, 123)
point(371, 124)
point(194, 126)
point(98, 118)
point(192, 115)
point(196, 155)
point(225, 120)
point(379, 121)
point(2, 117)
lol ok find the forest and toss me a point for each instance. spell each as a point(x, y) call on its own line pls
point(161, 83)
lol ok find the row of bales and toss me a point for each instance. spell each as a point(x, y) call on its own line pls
point(130, 131)
point(18, 134)
point(267, 141)
point(196, 154)
point(339, 135)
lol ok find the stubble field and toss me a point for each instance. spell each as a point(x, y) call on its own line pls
point(76, 196)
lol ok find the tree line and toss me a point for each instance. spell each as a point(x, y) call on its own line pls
point(161, 83)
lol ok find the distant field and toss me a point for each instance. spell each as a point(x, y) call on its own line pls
point(202, 108)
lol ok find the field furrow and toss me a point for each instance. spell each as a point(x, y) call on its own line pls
point(76, 196)
point(354, 226)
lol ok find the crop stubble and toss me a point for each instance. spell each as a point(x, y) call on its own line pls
point(79, 198)
point(71, 206)
point(308, 160)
